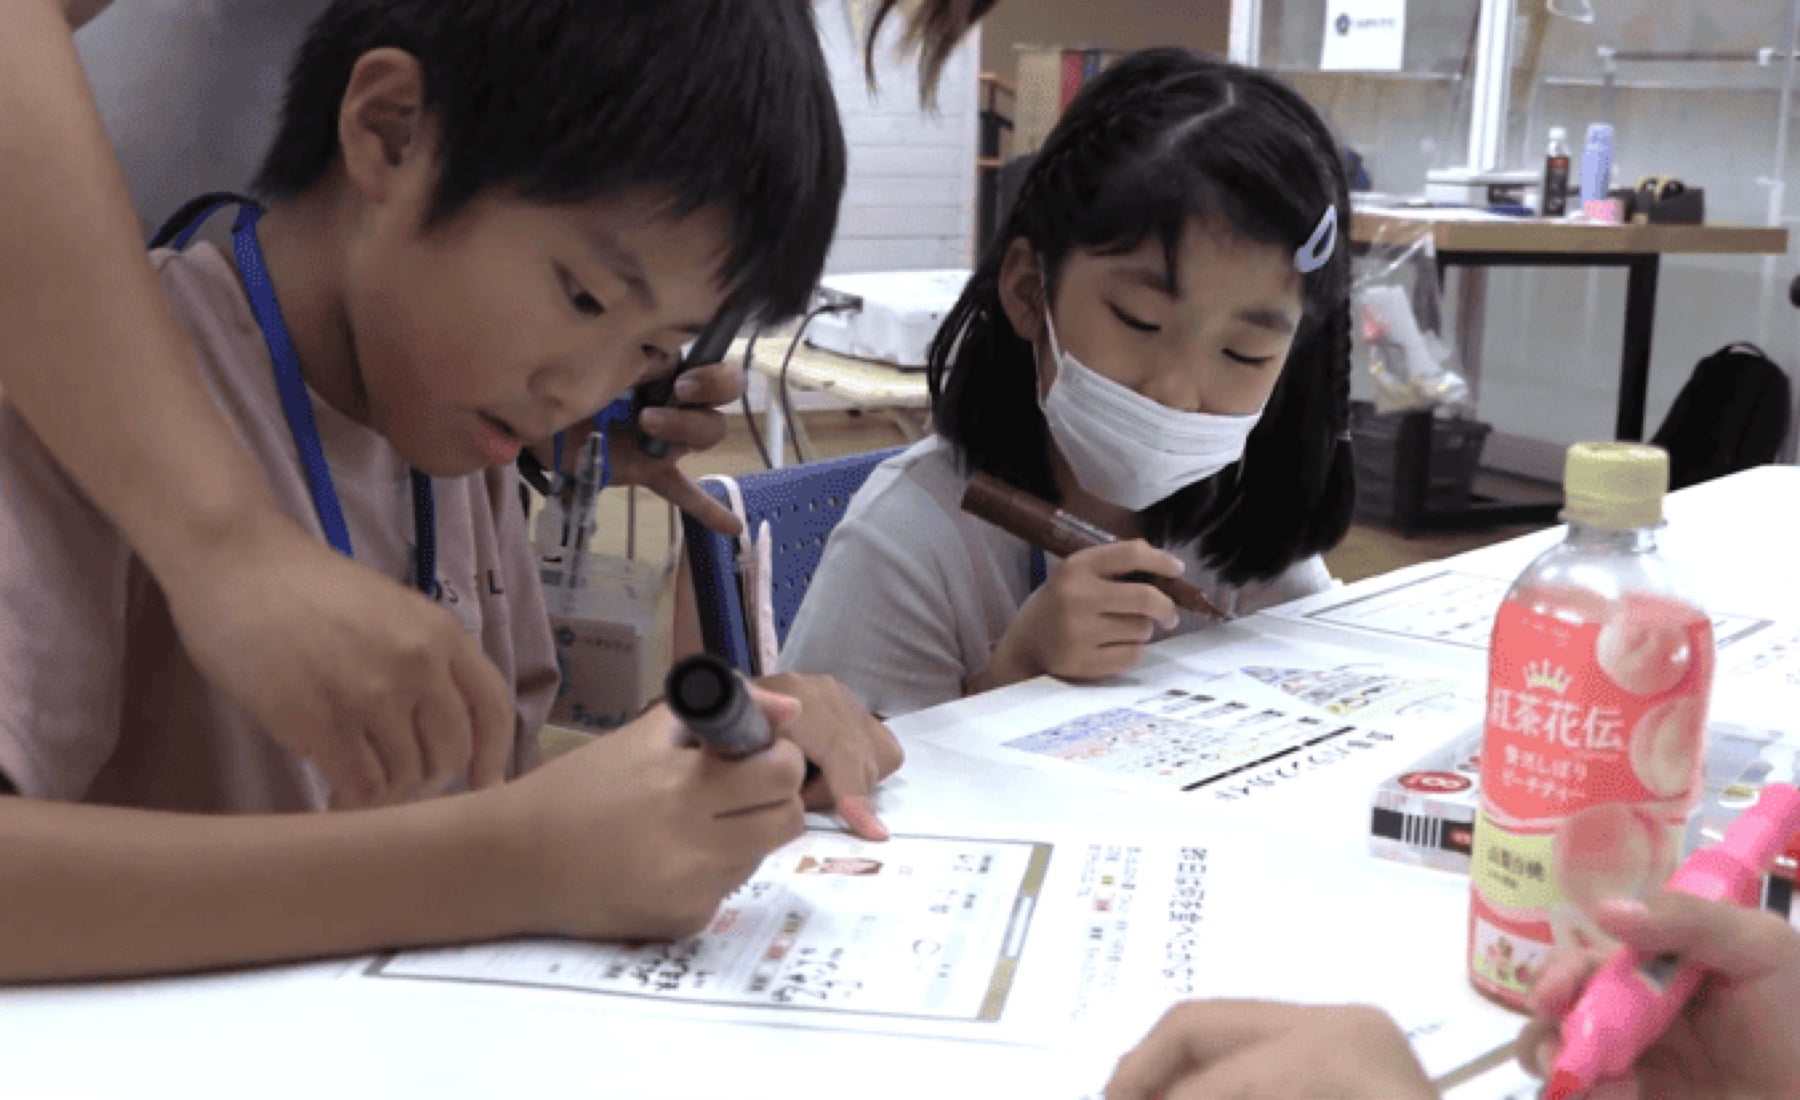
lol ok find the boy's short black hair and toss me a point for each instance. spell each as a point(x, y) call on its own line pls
point(723, 103)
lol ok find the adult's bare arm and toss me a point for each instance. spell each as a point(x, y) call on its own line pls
point(330, 657)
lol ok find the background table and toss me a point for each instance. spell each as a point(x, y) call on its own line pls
point(879, 388)
point(1537, 242)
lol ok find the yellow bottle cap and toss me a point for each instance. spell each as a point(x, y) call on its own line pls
point(1616, 486)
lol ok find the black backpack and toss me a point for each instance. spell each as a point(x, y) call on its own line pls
point(1731, 415)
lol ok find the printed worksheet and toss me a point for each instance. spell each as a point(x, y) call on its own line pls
point(920, 927)
point(1076, 939)
point(1261, 727)
point(1182, 739)
point(1772, 653)
point(1448, 607)
point(1758, 678)
point(1209, 717)
point(1274, 767)
point(1338, 683)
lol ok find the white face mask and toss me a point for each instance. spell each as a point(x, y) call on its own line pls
point(1127, 449)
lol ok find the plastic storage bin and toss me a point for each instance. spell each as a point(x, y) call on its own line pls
point(1386, 465)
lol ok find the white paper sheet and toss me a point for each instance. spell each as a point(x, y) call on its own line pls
point(1072, 939)
point(1758, 678)
point(1364, 35)
point(1507, 1081)
point(1772, 653)
point(917, 928)
point(1339, 683)
point(1448, 607)
point(1261, 730)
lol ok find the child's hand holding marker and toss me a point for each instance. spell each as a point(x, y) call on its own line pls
point(1097, 610)
point(1698, 1004)
point(639, 837)
point(1735, 1038)
point(1092, 618)
point(849, 750)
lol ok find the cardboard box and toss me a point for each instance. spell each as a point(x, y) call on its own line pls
point(613, 623)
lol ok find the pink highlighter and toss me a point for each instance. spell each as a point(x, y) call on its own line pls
point(1631, 1001)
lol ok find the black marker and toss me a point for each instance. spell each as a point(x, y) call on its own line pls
point(714, 703)
point(708, 348)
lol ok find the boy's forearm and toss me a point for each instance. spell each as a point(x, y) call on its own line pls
point(94, 891)
point(92, 355)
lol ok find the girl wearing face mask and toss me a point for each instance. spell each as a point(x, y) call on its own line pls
point(1157, 342)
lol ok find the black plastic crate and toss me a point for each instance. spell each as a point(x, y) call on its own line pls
point(1384, 463)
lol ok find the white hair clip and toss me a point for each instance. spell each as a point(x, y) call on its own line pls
point(1318, 248)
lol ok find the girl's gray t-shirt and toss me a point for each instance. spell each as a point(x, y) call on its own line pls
point(913, 593)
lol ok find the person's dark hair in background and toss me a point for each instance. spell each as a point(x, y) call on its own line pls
point(934, 27)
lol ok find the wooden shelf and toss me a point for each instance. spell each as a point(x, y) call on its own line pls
point(999, 83)
point(1544, 235)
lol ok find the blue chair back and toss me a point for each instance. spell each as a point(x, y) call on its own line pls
point(801, 504)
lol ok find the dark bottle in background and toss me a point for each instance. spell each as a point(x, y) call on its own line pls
point(1554, 202)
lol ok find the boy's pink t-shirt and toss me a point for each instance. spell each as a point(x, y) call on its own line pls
point(101, 701)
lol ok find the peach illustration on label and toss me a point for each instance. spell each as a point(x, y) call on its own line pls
point(1611, 850)
point(1645, 655)
point(1666, 746)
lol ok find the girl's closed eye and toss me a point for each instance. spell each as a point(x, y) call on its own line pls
point(585, 304)
point(1134, 323)
point(1249, 360)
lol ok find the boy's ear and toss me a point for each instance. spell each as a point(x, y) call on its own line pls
point(1022, 290)
point(382, 122)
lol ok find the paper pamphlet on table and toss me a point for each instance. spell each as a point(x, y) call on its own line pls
point(920, 933)
point(1327, 680)
point(1758, 679)
point(1758, 672)
point(1446, 606)
point(1507, 1081)
point(1055, 937)
point(1258, 728)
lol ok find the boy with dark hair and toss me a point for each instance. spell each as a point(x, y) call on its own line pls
point(488, 220)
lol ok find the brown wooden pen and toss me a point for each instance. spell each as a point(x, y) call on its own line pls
point(1057, 532)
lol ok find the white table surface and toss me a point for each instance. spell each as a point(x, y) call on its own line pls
point(303, 1031)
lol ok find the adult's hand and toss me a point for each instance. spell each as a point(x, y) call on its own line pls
point(382, 689)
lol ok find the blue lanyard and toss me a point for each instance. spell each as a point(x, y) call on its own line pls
point(296, 403)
